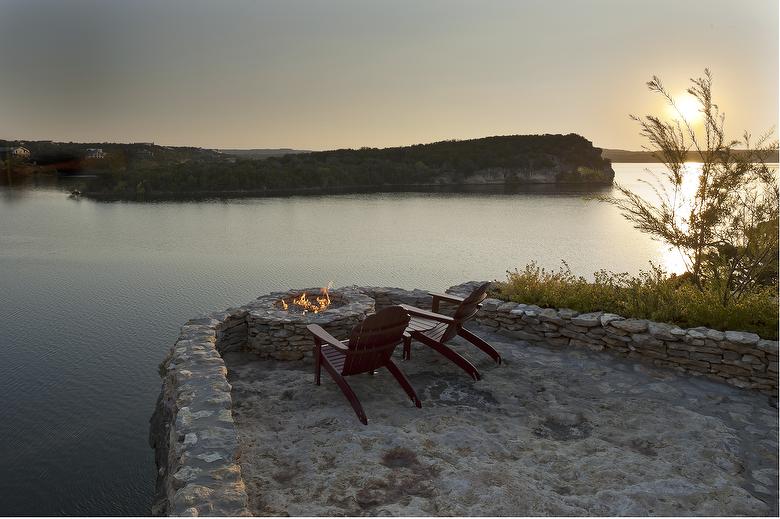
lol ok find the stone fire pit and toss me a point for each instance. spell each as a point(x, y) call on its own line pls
point(281, 334)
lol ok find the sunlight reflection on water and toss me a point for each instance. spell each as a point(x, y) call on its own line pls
point(672, 260)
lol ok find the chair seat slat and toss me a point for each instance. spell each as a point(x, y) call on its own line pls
point(334, 356)
point(421, 323)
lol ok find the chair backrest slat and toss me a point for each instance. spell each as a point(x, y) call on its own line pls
point(466, 310)
point(372, 341)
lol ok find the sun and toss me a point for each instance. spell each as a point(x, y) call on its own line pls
point(688, 107)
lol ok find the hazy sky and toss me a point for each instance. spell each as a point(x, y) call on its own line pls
point(325, 74)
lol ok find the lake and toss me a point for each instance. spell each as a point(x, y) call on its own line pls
point(92, 295)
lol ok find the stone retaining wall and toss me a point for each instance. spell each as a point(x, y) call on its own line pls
point(388, 296)
point(740, 359)
point(192, 430)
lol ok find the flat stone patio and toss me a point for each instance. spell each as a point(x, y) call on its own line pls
point(549, 432)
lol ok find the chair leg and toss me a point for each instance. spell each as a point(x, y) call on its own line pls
point(481, 344)
point(317, 364)
point(403, 381)
point(452, 355)
point(348, 392)
point(407, 347)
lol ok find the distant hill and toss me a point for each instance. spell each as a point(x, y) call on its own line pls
point(645, 156)
point(261, 153)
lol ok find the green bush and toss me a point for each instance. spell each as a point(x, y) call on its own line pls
point(652, 294)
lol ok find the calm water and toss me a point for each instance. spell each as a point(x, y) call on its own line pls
point(92, 295)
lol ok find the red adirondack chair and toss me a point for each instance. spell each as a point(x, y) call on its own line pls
point(434, 329)
point(369, 347)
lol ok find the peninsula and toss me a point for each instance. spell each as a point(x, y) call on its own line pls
point(151, 171)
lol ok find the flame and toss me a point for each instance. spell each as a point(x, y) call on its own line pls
point(319, 304)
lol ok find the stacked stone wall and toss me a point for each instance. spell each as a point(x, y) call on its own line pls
point(192, 430)
point(740, 359)
point(290, 340)
point(282, 335)
point(388, 296)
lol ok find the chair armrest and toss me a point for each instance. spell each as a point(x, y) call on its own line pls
point(413, 310)
point(322, 336)
point(446, 297)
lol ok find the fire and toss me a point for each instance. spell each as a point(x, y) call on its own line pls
point(315, 305)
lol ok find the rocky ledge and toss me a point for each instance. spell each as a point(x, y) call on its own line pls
point(563, 431)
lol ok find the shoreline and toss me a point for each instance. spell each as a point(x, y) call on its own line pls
point(536, 187)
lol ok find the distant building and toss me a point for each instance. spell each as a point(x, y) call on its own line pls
point(17, 152)
point(95, 153)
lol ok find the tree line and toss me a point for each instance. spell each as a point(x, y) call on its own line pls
point(572, 158)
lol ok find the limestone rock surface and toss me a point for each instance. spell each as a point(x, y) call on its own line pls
point(548, 432)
